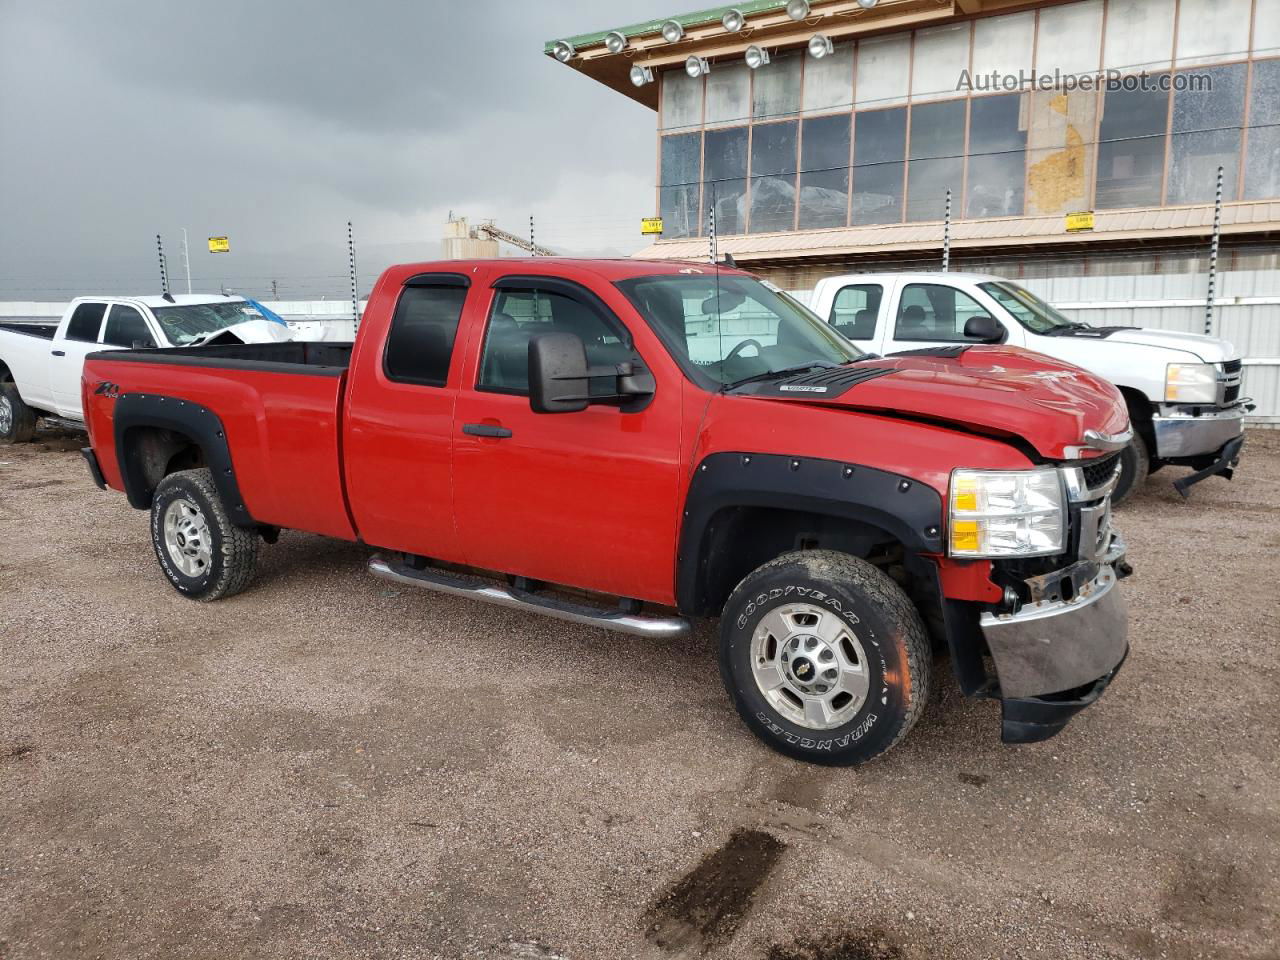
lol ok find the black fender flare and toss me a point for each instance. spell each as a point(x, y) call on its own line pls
point(200, 424)
point(909, 510)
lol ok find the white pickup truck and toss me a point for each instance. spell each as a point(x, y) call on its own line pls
point(1182, 389)
point(40, 364)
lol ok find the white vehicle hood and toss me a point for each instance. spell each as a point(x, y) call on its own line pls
point(1208, 349)
point(252, 331)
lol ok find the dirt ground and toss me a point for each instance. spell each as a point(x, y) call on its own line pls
point(328, 767)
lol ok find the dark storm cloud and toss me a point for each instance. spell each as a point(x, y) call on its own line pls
point(276, 122)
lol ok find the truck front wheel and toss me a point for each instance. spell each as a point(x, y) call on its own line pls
point(1135, 463)
point(17, 420)
point(825, 657)
point(203, 554)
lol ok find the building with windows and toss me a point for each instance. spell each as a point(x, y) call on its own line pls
point(836, 134)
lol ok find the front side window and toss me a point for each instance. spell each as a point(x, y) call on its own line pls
point(126, 327)
point(1028, 309)
point(855, 308)
point(733, 327)
point(519, 314)
point(425, 325)
point(934, 313)
point(86, 322)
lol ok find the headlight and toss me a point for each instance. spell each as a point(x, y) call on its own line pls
point(1007, 513)
point(1191, 383)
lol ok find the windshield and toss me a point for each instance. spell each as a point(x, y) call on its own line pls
point(1028, 309)
point(185, 324)
point(735, 327)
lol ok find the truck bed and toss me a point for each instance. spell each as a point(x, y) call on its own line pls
point(279, 405)
point(44, 331)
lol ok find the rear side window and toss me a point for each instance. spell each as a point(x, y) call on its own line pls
point(86, 322)
point(518, 315)
point(423, 330)
point(855, 309)
point(934, 313)
point(126, 327)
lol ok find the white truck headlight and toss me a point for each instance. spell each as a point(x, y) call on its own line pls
point(1191, 383)
point(1007, 513)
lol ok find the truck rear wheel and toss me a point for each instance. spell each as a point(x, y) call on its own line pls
point(825, 657)
point(204, 555)
point(17, 420)
point(1135, 463)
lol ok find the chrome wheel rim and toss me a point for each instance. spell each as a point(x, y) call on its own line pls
point(6, 414)
point(187, 538)
point(810, 666)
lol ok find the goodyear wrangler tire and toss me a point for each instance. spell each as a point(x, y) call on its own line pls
point(204, 555)
point(825, 657)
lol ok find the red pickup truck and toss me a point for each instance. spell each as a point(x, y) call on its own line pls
point(632, 444)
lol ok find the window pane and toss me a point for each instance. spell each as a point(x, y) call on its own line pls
point(777, 87)
point(728, 94)
point(1003, 44)
point(1059, 152)
point(1266, 29)
point(681, 100)
point(1070, 38)
point(879, 145)
point(824, 171)
point(828, 83)
point(1262, 168)
point(1139, 35)
point(519, 314)
point(937, 158)
point(726, 173)
point(855, 309)
point(422, 333)
point(127, 327)
point(1131, 148)
point(1210, 31)
point(997, 157)
point(884, 65)
point(773, 176)
point(681, 158)
point(941, 54)
point(86, 322)
point(1206, 135)
point(929, 312)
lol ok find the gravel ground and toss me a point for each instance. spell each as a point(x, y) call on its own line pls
point(326, 767)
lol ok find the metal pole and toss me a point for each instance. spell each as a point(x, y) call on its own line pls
point(1213, 257)
point(186, 256)
point(711, 232)
point(164, 273)
point(355, 298)
point(946, 237)
point(531, 243)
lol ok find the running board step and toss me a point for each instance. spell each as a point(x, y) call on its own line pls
point(477, 589)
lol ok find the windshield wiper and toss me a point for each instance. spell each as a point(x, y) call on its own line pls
point(1064, 328)
point(783, 372)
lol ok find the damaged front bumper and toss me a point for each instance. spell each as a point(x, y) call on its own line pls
point(1054, 656)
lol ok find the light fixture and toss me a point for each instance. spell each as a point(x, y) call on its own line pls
point(641, 75)
point(797, 9)
point(615, 42)
point(734, 21)
point(563, 50)
point(696, 67)
point(672, 32)
point(867, 4)
point(820, 46)
point(756, 57)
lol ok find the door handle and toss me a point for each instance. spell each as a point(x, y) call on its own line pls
point(59, 353)
point(485, 430)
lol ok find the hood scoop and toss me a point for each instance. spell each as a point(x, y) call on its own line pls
point(950, 352)
point(819, 384)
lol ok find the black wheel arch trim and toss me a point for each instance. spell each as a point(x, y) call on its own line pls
point(907, 509)
point(200, 424)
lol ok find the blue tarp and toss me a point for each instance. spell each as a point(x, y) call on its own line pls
point(267, 314)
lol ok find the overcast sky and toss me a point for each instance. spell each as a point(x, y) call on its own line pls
point(276, 122)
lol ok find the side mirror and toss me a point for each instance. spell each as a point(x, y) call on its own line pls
point(984, 329)
point(560, 379)
point(558, 373)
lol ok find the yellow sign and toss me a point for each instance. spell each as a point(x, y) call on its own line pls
point(651, 225)
point(219, 245)
point(1077, 222)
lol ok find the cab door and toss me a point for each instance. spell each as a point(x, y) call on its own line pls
point(584, 499)
point(66, 361)
point(928, 314)
point(856, 312)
